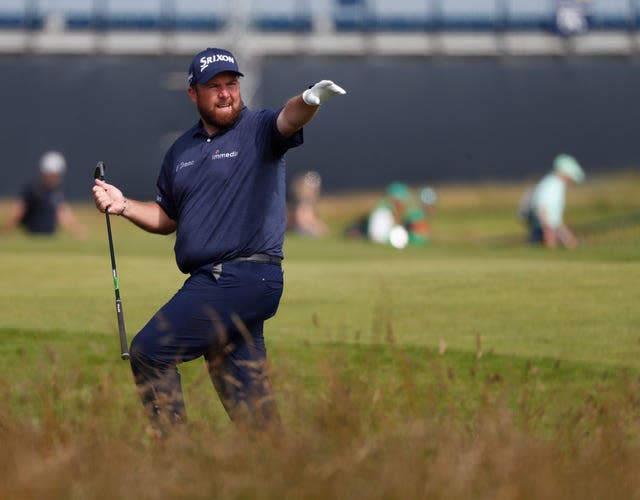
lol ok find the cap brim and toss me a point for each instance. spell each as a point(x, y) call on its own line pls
point(205, 78)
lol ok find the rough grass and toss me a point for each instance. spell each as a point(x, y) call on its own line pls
point(475, 367)
point(361, 422)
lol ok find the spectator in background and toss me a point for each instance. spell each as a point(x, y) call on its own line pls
point(398, 219)
point(303, 207)
point(418, 220)
point(42, 205)
point(388, 214)
point(571, 16)
point(428, 199)
point(543, 208)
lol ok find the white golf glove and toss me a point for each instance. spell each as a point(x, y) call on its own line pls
point(321, 92)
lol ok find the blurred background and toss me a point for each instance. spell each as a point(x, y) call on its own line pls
point(438, 90)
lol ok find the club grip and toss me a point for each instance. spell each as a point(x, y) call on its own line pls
point(99, 171)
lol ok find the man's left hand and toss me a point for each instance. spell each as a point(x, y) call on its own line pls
point(321, 92)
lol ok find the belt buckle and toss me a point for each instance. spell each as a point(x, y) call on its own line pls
point(216, 271)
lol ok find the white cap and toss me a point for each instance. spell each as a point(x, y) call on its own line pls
point(52, 162)
point(569, 167)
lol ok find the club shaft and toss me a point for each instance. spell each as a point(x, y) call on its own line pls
point(124, 347)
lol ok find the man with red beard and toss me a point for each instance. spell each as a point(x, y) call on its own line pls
point(221, 188)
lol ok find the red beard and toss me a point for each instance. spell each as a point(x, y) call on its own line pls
point(219, 120)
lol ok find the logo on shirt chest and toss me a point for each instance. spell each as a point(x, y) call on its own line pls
point(218, 155)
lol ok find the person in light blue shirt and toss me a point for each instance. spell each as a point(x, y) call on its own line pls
point(547, 203)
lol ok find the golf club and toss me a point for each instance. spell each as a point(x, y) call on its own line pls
point(124, 347)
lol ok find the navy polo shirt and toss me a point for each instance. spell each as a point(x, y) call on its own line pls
point(227, 192)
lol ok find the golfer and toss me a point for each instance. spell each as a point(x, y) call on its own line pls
point(221, 189)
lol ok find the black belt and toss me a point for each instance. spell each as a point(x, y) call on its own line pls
point(263, 258)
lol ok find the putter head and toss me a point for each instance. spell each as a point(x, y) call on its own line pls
point(99, 172)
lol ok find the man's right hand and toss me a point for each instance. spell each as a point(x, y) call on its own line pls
point(108, 197)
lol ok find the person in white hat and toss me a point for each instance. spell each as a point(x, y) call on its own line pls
point(546, 210)
point(42, 207)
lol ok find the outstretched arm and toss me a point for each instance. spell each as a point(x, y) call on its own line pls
point(16, 212)
point(566, 237)
point(549, 234)
point(555, 236)
point(147, 215)
point(69, 222)
point(300, 109)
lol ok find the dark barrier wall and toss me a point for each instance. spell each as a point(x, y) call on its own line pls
point(413, 119)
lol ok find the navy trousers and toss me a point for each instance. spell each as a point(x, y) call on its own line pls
point(220, 316)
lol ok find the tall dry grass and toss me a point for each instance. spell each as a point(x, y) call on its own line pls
point(353, 432)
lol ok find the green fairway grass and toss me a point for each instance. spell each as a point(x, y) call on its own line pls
point(446, 371)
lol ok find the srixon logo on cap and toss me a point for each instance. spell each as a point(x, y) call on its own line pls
point(205, 61)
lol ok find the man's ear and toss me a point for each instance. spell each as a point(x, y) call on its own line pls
point(193, 94)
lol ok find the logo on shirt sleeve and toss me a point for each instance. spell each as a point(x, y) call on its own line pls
point(184, 164)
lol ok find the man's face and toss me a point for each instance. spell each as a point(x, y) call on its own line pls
point(51, 180)
point(218, 100)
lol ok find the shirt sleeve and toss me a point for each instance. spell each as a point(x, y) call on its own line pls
point(164, 186)
point(271, 136)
